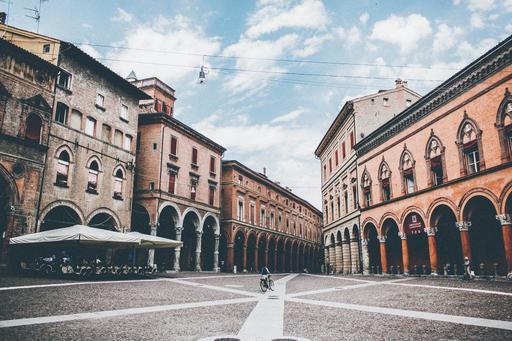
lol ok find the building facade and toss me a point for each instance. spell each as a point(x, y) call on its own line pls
point(357, 119)
point(177, 190)
point(26, 96)
point(436, 180)
point(264, 223)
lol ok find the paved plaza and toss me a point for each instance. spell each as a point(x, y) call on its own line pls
point(209, 307)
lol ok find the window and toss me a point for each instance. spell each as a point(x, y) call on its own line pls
point(279, 219)
point(252, 213)
point(384, 177)
point(194, 156)
point(212, 164)
point(33, 128)
point(330, 165)
point(409, 182)
point(336, 158)
point(62, 168)
point(263, 216)
point(385, 102)
point(76, 120)
point(472, 158)
point(174, 146)
point(137, 142)
point(469, 143)
point(343, 152)
point(100, 100)
point(352, 140)
point(46, 48)
point(92, 180)
point(90, 126)
point(127, 145)
point(436, 169)
point(172, 182)
point(240, 210)
point(325, 172)
point(118, 184)
point(155, 146)
point(345, 200)
point(354, 197)
point(408, 103)
point(193, 190)
point(118, 138)
point(61, 113)
point(386, 190)
point(407, 171)
point(338, 205)
point(434, 155)
point(367, 196)
point(240, 180)
point(272, 219)
point(64, 79)
point(124, 112)
point(106, 133)
point(211, 195)
point(151, 186)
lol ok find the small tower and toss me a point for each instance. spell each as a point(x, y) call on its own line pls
point(132, 77)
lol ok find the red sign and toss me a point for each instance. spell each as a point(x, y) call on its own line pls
point(414, 224)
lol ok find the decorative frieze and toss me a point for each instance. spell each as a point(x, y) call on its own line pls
point(504, 219)
point(463, 225)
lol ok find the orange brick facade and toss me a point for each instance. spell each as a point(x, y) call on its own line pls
point(264, 223)
point(436, 181)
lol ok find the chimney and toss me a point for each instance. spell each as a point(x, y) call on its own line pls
point(400, 83)
point(3, 17)
point(265, 171)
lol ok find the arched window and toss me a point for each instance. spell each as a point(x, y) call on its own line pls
point(240, 211)
point(63, 161)
point(385, 181)
point(366, 184)
point(92, 179)
point(504, 126)
point(407, 171)
point(434, 155)
point(263, 216)
point(470, 147)
point(118, 184)
point(33, 128)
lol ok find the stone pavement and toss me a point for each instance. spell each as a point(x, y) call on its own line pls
point(314, 307)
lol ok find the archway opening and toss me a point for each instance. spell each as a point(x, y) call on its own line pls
point(417, 244)
point(103, 221)
point(356, 250)
point(262, 245)
point(140, 223)
point(393, 247)
point(485, 236)
point(167, 221)
point(295, 254)
point(300, 266)
point(272, 266)
point(208, 244)
point(347, 254)
point(59, 217)
point(371, 236)
point(6, 197)
point(280, 256)
point(449, 249)
point(189, 239)
point(251, 257)
point(288, 256)
point(223, 250)
point(239, 251)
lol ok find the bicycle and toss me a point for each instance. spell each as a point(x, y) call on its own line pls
point(266, 284)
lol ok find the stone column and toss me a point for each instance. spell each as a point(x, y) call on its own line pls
point(275, 260)
point(216, 254)
point(346, 257)
point(177, 250)
point(266, 255)
point(339, 257)
point(244, 257)
point(464, 238)
point(366, 257)
point(432, 248)
point(230, 257)
point(506, 229)
point(198, 250)
point(256, 254)
point(354, 255)
point(383, 256)
point(151, 252)
point(405, 252)
point(332, 256)
point(326, 258)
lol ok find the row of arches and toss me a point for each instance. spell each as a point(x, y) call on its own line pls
point(343, 251)
point(479, 231)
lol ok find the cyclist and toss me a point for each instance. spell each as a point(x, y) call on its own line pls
point(265, 273)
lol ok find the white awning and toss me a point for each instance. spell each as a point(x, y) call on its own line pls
point(153, 242)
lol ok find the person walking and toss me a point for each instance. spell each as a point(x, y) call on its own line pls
point(467, 269)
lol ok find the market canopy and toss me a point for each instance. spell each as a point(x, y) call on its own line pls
point(153, 242)
point(92, 236)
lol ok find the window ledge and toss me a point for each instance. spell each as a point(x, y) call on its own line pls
point(100, 107)
point(213, 174)
point(60, 185)
point(66, 90)
point(92, 191)
point(115, 197)
point(194, 166)
point(173, 157)
point(124, 119)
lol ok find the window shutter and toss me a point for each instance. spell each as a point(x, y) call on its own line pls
point(174, 143)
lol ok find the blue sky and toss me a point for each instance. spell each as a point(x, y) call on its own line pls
point(270, 119)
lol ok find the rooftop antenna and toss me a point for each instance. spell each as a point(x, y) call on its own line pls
point(37, 13)
point(202, 73)
point(9, 3)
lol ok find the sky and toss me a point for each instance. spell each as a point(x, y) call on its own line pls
point(278, 70)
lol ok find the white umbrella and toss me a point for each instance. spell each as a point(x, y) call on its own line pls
point(153, 242)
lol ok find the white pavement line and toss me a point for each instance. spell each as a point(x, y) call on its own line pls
point(348, 287)
point(227, 276)
point(76, 283)
point(267, 319)
point(213, 287)
point(117, 313)
point(466, 320)
point(453, 288)
point(342, 278)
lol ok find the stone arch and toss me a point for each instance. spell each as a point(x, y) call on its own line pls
point(339, 237)
point(387, 216)
point(504, 125)
point(190, 236)
point(94, 158)
point(194, 211)
point(393, 245)
point(435, 160)
point(385, 183)
point(67, 149)
point(366, 225)
point(443, 220)
point(414, 230)
point(209, 214)
point(9, 179)
point(505, 194)
point(409, 210)
point(56, 204)
point(176, 209)
point(465, 140)
point(479, 191)
point(441, 201)
point(104, 210)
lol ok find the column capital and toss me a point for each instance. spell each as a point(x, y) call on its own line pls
point(402, 235)
point(382, 239)
point(199, 233)
point(431, 231)
point(504, 219)
point(463, 225)
point(217, 236)
point(178, 229)
point(364, 242)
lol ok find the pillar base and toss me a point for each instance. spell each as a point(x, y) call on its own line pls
point(434, 274)
point(509, 276)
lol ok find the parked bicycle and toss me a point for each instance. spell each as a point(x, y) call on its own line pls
point(266, 283)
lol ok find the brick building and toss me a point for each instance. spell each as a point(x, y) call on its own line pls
point(436, 180)
point(91, 145)
point(264, 223)
point(357, 118)
point(26, 95)
point(177, 191)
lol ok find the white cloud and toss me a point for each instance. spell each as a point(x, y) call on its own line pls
point(446, 37)
point(122, 15)
point(172, 34)
point(275, 15)
point(91, 51)
point(507, 4)
point(291, 116)
point(312, 45)
point(477, 20)
point(402, 31)
point(86, 25)
point(508, 28)
point(456, 2)
point(468, 52)
point(349, 35)
point(480, 5)
point(364, 18)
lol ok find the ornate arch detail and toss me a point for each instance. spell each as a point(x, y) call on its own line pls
point(217, 223)
point(384, 168)
point(504, 109)
point(119, 167)
point(176, 208)
point(12, 183)
point(469, 133)
point(252, 233)
point(365, 225)
point(435, 149)
point(438, 202)
point(57, 203)
point(67, 149)
point(407, 165)
point(384, 177)
point(411, 209)
point(94, 158)
point(507, 191)
point(479, 191)
point(106, 211)
point(235, 232)
point(386, 216)
point(504, 113)
point(346, 229)
point(199, 228)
